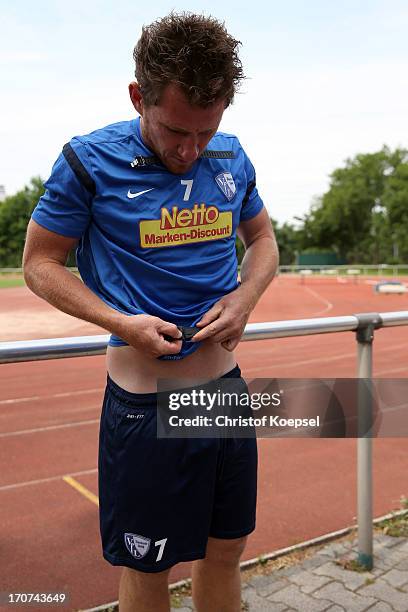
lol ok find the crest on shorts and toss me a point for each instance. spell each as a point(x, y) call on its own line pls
point(226, 183)
point(137, 545)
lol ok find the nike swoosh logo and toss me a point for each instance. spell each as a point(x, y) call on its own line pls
point(139, 193)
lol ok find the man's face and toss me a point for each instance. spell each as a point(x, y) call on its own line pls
point(176, 131)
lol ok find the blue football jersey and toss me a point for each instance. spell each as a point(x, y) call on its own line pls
point(150, 241)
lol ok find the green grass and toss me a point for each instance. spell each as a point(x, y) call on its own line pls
point(351, 564)
point(6, 282)
point(398, 270)
point(396, 526)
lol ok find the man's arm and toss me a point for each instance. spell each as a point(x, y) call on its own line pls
point(261, 258)
point(226, 320)
point(44, 259)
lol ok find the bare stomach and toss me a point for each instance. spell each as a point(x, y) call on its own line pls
point(132, 370)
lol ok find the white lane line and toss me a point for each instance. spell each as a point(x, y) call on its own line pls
point(380, 372)
point(18, 400)
point(321, 359)
point(49, 428)
point(325, 358)
point(328, 304)
point(43, 480)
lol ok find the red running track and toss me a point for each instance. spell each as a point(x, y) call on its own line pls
point(49, 427)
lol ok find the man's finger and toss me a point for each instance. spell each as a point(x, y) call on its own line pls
point(169, 329)
point(220, 330)
point(211, 315)
point(208, 331)
point(171, 347)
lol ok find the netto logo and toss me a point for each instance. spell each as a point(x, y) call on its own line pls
point(198, 215)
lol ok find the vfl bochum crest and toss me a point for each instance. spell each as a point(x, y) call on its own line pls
point(137, 545)
point(226, 183)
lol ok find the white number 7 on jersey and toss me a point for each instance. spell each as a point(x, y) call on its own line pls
point(162, 544)
point(189, 186)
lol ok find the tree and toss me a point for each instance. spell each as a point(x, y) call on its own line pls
point(395, 200)
point(288, 239)
point(15, 213)
point(363, 209)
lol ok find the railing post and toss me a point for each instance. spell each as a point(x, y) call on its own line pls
point(367, 323)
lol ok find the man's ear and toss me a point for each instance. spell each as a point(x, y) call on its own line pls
point(136, 97)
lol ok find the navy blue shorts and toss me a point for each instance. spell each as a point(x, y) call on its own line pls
point(160, 499)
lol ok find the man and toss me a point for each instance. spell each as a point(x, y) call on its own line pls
point(155, 204)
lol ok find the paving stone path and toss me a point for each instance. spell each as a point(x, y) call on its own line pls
point(319, 583)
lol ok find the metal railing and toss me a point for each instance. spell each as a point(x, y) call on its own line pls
point(363, 325)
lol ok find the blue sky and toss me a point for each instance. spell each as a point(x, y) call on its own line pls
point(326, 80)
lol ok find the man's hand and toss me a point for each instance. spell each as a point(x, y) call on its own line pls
point(226, 320)
point(151, 335)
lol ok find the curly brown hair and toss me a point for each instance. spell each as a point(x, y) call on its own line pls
point(193, 51)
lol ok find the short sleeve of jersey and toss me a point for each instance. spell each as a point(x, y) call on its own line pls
point(65, 207)
point(252, 203)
